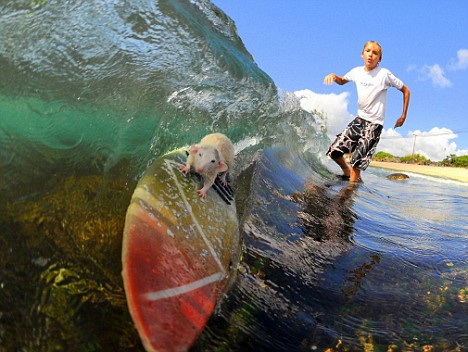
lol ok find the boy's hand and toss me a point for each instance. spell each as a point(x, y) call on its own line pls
point(332, 78)
point(400, 122)
point(329, 79)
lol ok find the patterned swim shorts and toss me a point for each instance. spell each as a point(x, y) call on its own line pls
point(360, 137)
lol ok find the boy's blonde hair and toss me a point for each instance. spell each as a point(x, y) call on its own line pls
point(376, 43)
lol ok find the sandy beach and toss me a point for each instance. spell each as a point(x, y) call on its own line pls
point(453, 173)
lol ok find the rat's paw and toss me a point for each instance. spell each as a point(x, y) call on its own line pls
point(223, 180)
point(201, 193)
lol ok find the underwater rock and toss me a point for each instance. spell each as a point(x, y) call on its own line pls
point(397, 176)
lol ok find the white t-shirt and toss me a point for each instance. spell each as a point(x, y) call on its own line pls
point(372, 91)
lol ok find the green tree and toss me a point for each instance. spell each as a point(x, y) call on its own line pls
point(384, 156)
point(461, 161)
point(415, 159)
point(449, 160)
point(457, 161)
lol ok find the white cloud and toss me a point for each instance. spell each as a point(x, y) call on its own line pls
point(435, 144)
point(394, 143)
point(436, 74)
point(462, 61)
point(334, 107)
point(412, 68)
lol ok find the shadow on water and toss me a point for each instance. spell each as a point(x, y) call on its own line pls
point(326, 217)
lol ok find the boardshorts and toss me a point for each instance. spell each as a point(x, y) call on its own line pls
point(360, 138)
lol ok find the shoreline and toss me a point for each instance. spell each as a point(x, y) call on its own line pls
point(453, 173)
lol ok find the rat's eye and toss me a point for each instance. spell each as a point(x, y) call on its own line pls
point(199, 154)
point(213, 161)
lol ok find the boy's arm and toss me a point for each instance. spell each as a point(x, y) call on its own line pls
point(329, 79)
point(406, 98)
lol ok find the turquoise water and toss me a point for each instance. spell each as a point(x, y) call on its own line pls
point(91, 92)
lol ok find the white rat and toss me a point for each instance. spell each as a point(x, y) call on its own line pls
point(213, 155)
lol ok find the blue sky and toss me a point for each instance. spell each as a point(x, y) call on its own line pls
point(425, 44)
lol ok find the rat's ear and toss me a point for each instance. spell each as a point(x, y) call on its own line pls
point(222, 166)
point(194, 149)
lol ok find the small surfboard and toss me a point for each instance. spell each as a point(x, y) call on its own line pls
point(178, 255)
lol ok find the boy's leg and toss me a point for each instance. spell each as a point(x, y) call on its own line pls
point(343, 165)
point(355, 175)
point(345, 142)
point(365, 149)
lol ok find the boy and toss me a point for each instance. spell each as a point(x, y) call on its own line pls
point(362, 135)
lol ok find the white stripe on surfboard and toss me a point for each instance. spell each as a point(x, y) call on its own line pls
point(194, 218)
point(176, 291)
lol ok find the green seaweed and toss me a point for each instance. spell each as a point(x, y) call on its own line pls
point(72, 234)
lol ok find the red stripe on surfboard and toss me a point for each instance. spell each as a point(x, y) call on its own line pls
point(203, 301)
point(193, 313)
point(166, 258)
point(154, 262)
